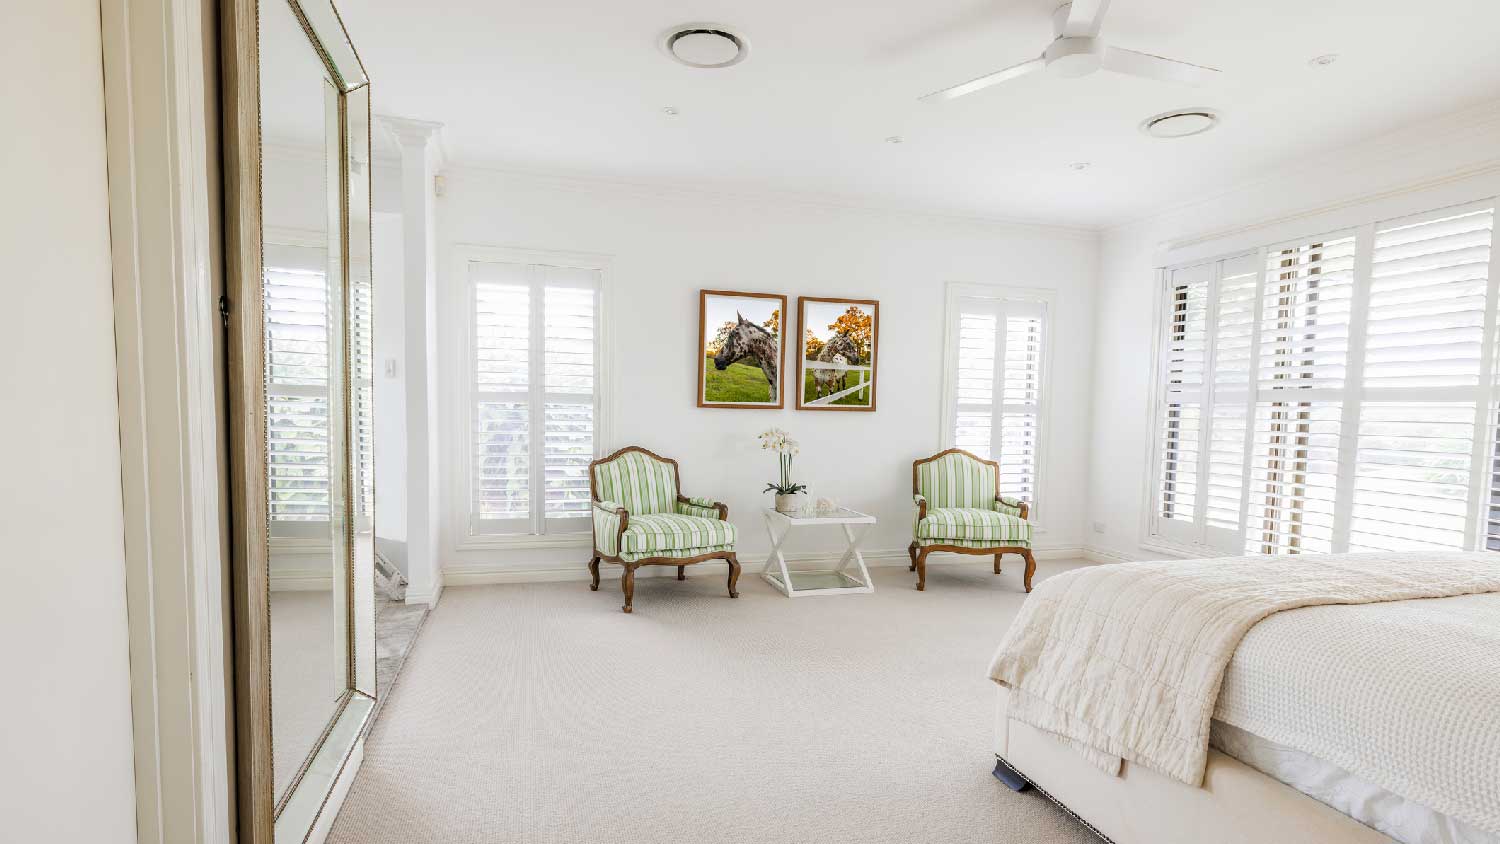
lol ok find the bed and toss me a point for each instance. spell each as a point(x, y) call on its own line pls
point(1346, 698)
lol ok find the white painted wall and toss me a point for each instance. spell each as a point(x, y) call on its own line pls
point(390, 387)
point(666, 246)
point(1439, 163)
point(65, 729)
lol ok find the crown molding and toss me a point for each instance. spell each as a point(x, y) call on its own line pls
point(1404, 142)
point(675, 191)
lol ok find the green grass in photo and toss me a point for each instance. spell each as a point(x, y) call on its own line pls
point(740, 382)
point(810, 390)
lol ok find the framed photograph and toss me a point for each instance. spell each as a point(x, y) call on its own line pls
point(837, 353)
point(740, 349)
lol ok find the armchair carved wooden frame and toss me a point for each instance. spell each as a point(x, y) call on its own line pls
point(918, 550)
point(604, 515)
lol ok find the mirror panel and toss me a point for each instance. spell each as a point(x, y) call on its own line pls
point(306, 443)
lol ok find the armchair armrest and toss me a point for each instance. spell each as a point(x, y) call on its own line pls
point(921, 502)
point(610, 521)
point(1012, 506)
point(705, 508)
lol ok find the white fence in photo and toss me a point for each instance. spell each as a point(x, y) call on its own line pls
point(863, 388)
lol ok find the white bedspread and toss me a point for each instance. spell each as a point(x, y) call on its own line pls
point(1126, 661)
point(1403, 695)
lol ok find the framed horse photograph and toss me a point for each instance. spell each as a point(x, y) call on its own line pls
point(836, 353)
point(740, 349)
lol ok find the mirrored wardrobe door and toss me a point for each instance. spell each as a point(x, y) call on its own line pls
point(298, 241)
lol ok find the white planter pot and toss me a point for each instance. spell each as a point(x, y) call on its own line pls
point(787, 503)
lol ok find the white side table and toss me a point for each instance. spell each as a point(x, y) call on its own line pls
point(840, 580)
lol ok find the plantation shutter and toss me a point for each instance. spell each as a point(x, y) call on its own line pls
point(362, 367)
point(297, 359)
point(534, 397)
point(1306, 309)
point(1184, 364)
point(997, 387)
point(1418, 453)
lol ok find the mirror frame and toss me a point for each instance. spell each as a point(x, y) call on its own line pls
point(262, 814)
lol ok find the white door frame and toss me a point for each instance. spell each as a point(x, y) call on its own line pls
point(162, 119)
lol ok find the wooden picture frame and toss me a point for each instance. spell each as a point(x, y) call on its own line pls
point(810, 387)
point(752, 311)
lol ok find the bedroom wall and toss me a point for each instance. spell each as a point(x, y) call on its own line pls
point(1441, 162)
point(667, 245)
point(65, 726)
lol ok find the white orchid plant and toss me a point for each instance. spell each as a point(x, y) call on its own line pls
point(779, 441)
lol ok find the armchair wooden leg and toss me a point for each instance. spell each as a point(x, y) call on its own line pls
point(911, 551)
point(997, 564)
point(922, 569)
point(594, 572)
point(1030, 567)
point(627, 585)
point(734, 575)
point(680, 573)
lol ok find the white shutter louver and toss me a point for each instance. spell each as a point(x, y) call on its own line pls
point(1183, 372)
point(568, 420)
point(1234, 329)
point(975, 382)
point(296, 326)
point(502, 418)
point(362, 339)
point(1020, 411)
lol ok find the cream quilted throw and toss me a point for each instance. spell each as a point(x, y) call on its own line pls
point(1125, 661)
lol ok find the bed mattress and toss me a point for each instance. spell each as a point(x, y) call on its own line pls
point(1402, 819)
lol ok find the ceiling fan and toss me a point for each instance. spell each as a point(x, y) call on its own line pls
point(1077, 50)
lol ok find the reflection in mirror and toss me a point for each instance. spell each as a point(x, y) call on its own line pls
point(307, 445)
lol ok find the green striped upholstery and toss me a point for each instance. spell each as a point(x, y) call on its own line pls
point(639, 482)
point(703, 507)
point(976, 525)
point(956, 480)
point(668, 534)
point(972, 543)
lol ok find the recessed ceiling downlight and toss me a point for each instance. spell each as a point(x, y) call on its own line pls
point(1181, 123)
point(704, 45)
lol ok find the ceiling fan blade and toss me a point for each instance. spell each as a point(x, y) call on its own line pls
point(985, 81)
point(1084, 18)
point(1156, 67)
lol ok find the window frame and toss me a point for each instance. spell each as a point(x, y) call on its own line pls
point(956, 294)
point(1353, 397)
point(459, 384)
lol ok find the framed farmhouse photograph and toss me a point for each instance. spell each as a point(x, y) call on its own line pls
point(837, 353)
point(740, 349)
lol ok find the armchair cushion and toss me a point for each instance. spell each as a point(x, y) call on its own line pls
point(956, 480)
point(976, 525)
point(658, 534)
point(640, 482)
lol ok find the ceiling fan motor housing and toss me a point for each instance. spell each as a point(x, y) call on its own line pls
point(1073, 57)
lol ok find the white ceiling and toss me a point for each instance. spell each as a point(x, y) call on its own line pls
point(578, 87)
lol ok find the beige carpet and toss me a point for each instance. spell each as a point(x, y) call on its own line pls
point(541, 713)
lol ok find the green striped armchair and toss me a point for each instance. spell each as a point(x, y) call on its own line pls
point(641, 519)
point(959, 509)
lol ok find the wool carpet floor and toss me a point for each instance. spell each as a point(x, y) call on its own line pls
point(541, 713)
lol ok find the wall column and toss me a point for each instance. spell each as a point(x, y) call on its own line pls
point(420, 146)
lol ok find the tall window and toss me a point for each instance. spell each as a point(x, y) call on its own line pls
point(533, 396)
point(1334, 393)
point(994, 378)
point(297, 360)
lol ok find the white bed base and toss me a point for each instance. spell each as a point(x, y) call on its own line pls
point(1236, 805)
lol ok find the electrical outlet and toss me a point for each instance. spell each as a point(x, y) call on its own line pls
point(1098, 527)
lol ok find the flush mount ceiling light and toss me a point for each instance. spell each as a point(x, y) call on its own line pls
point(1080, 165)
point(1181, 123)
point(1323, 60)
point(895, 139)
point(704, 45)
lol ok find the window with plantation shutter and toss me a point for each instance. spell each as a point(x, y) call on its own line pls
point(1352, 391)
point(297, 359)
point(534, 396)
point(994, 381)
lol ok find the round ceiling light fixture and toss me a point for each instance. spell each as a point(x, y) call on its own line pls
point(704, 45)
point(1181, 123)
point(1324, 60)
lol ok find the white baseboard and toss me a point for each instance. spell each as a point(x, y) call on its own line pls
point(479, 575)
point(1103, 555)
point(430, 597)
point(330, 812)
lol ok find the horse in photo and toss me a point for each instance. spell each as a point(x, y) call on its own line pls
point(748, 340)
point(840, 350)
